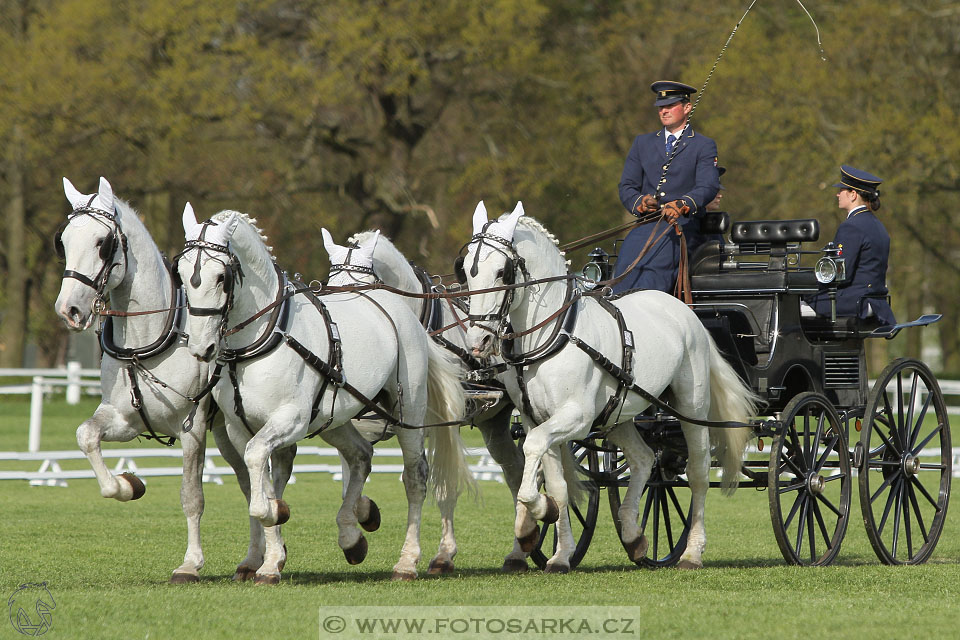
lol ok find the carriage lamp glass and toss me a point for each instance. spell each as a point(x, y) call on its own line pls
point(597, 268)
point(830, 267)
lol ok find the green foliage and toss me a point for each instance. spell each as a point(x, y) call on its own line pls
point(359, 114)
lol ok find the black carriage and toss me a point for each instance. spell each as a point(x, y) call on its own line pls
point(824, 428)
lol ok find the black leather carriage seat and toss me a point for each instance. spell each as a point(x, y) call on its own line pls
point(757, 237)
point(775, 232)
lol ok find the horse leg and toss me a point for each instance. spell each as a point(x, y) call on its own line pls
point(415, 486)
point(563, 425)
point(698, 476)
point(355, 453)
point(556, 486)
point(230, 451)
point(108, 424)
point(505, 452)
point(191, 499)
point(448, 469)
point(640, 460)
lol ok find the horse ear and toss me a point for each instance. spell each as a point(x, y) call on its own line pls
point(367, 249)
point(509, 225)
point(106, 195)
point(230, 226)
point(74, 197)
point(191, 228)
point(338, 254)
point(479, 218)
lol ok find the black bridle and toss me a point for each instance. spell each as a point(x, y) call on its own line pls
point(513, 262)
point(231, 273)
point(116, 239)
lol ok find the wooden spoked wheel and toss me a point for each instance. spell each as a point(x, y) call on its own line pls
point(809, 481)
point(907, 463)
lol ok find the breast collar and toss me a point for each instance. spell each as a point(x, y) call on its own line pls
point(172, 331)
point(277, 326)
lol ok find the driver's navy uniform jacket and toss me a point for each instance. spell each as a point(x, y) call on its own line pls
point(865, 247)
point(692, 178)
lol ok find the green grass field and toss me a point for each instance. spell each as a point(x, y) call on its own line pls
point(107, 565)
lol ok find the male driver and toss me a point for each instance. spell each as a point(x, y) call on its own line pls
point(673, 171)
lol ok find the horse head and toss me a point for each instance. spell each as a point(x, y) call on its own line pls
point(350, 265)
point(491, 261)
point(92, 245)
point(208, 271)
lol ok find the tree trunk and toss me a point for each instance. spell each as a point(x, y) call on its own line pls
point(12, 331)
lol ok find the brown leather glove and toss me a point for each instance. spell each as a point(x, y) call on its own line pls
point(648, 204)
point(675, 209)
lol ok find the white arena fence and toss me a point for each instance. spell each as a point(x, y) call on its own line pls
point(75, 381)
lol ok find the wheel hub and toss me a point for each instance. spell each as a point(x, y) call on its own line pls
point(815, 483)
point(911, 465)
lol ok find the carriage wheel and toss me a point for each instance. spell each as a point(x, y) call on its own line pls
point(665, 509)
point(809, 481)
point(583, 515)
point(905, 476)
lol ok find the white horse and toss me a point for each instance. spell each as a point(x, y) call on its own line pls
point(494, 423)
point(108, 251)
point(334, 355)
point(567, 390)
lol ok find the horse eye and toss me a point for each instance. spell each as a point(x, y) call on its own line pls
point(99, 242)
point(500, 274)
point(220, 278)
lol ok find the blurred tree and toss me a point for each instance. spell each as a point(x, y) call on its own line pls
point(368, 113)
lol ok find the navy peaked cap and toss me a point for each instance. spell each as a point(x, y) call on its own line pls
point(857, 180)
point(669, 92)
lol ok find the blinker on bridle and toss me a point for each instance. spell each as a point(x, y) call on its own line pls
point(513, 262)
point(231, 270)
point(108, 247)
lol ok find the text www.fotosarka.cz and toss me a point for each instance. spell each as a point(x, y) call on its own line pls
point(479, 621)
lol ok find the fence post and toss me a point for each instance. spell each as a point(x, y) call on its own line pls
point(73, 382)
point(36, 413)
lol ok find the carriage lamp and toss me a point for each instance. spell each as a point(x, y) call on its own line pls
point(598, 267)
point(830, 268)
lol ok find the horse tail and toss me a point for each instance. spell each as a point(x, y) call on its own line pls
point(730, 400)
point(446, 454)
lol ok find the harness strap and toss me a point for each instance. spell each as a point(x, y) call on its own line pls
point(334, 356)
point(237, 401)
point(136, 400)
point(168, 336)
point(626, 341)
point(619, 374)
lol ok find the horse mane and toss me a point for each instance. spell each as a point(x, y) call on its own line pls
point(248, 237)
point(133, 226)
point(226, 213)
point(537, 230)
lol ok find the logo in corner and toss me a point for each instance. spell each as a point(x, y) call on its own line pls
point(30, 609)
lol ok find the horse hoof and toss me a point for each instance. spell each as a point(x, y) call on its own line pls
point(556, 568)
point(136, 484)
point(689, 564)
point(184, 578)
point(637, 549)
point(283, 563)
point(267, 578)
point(439, 567)
point(528, 542)
point(403, 576)
point(283, 512)
point(514, 565)
point(553, 511)
point(372, 523)
point(357, 552)
point(243, 574)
